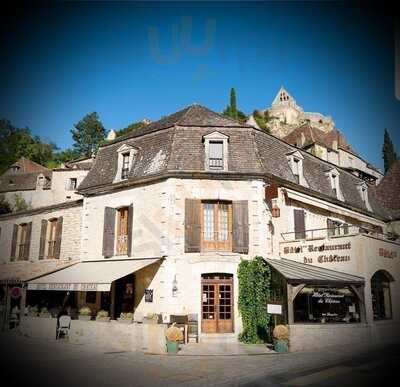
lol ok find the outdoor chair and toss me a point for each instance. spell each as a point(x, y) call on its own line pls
point(193, 327)
point(64, 326)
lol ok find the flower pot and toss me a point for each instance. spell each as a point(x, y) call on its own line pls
point(172, 346)
point(84, 317)
point(281, 346)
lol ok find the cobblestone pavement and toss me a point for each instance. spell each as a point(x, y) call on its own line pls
point(35, 362)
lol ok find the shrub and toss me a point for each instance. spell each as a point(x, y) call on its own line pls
point(173, 333)
point(152, 316)
point(126, 316)
point(281, 332)
point(85, 311)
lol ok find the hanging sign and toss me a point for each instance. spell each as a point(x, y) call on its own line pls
point(274, 309)
point(148, 295)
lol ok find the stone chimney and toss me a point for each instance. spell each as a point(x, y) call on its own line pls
point(334, 145)
point(111, 135)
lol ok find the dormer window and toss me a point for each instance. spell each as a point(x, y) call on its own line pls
point(333, 176)
point(125, 166)
point(295, 160)
point(126, 155)
point(363, 189)
point(216, 151)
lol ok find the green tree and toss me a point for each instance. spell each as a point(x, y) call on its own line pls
point(20, 204)
point(63, 157)
point(5, 206)
point(262, 119)
point(231, 110)
point(130, 128)
point(88, 135)
point(388, 152)
point(254, 290)
point(19, 142)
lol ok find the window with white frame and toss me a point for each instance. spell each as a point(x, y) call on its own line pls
point(71, 184)
point(126, 156)
point(216, 151)
point(295, 160)
point(333, 176)
point(363, 189)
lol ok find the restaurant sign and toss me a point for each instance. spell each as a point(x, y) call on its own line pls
point(325, 253)
point(83, 287)
point(387, 253)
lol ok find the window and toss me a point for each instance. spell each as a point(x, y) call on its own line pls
point(333, 176)
point(363, 189)
point(336, 228)
point(22, 241)
point(15, 168)
point(217, 226)
point(216, 159)
point(380, 293)
point(51, 240)
point(216, 151)
point(125, 166)
point(72, 183)
point(323, 304)
point(295, 160)
point(122, 231)
point(126, 157)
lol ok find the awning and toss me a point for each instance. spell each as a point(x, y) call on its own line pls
point(297, 272)
point(90, 275)
point(22, 271)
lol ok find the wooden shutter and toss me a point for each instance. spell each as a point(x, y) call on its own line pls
point(192, 226)
point(57, 245)
point(130, 230)
point(14, 242)
point(28, 241)
point(43, 232)
point(299, 224)
point(109, 232)
point(240, 232)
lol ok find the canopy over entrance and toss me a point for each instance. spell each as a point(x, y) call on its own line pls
point(297, 272)
point(90, 275)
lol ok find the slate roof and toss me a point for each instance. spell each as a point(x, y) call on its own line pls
point(174, 145)
point(23, 181)
point(388, 190)
point(297, 272)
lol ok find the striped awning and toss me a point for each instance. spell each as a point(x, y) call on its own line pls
point(297, 272)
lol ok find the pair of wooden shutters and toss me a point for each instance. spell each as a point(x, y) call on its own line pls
point(109, 233)
point(23, 255)
point(57, 239)
point(193, 230)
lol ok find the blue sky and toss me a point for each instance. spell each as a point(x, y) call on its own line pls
point(131, 61)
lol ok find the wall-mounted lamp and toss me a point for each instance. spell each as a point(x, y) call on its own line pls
point(174, 287)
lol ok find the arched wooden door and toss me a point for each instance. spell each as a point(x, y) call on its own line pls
point(217, 303)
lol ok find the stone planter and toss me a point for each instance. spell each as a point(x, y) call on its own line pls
point(125, 320)
point(149, 321)
point(84, 317)
point(45, 315)
point(103, 319)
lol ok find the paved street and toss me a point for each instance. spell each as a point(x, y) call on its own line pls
point(36, 362)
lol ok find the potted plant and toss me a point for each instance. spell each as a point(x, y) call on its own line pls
point(102, 316)
point(281, 338)
point(173, 335)
point(85, 313)
point(151, 318)
point(125, 318)
point(44, 313)
point(33, 311)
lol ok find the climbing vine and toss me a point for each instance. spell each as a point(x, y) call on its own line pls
point(254, 290)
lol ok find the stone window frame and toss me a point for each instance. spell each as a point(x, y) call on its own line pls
point(297, 158)
point(334, 181)
point(363, 190)
point(216, 137)
point(122, 150)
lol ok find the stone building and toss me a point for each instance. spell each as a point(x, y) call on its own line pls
point(170, 210)
point(316, 134)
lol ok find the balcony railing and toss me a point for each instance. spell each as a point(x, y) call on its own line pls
point(216, 163)
point(338, 231)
